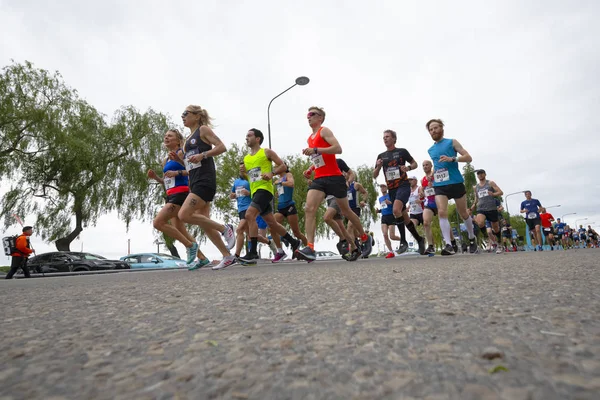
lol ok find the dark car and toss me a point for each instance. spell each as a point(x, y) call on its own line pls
point(70, 261)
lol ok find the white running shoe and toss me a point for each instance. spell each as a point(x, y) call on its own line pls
point(225, 262)
point(229, 236)
point(499, 250)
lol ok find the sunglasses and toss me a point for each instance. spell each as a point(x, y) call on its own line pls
point(186, 112)
point(311, 114)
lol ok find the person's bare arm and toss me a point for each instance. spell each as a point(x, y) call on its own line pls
point(279, 164)
point(497, 191)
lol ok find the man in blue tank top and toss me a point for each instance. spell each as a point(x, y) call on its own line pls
point(448, 182)
point(531, 209)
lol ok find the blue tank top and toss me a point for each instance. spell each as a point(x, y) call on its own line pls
point(286, 194)
point(352, 196)
point(243, 202)
point(386, 209)
point(177, 181)
point(445, 173)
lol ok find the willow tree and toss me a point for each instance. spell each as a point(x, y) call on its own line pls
point(33, 106)
point(92, 167)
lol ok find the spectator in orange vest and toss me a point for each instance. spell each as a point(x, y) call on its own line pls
point(21, 253)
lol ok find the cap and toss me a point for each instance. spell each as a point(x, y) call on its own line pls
point(480, 171)
point(413, 177)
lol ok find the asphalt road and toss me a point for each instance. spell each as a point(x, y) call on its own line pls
point(511, 326)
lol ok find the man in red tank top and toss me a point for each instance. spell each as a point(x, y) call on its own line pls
point(328, 180)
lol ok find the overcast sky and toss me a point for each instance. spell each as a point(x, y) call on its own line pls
point(516, 82)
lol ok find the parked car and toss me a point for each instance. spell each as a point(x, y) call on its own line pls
point(153, 260)
point(327, 255)
point(70, 261)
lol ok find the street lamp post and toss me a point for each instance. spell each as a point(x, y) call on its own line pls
point(558, 205)
point(302, 80)
point(580, 219)
point(506, 201)
point(563, 217)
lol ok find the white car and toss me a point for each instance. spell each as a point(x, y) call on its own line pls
point(327, 255)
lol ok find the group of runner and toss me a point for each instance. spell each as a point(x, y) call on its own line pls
point(189, 177)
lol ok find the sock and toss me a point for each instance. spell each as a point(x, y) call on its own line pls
point(237, 255)
point(413, 231)
point(469, 225)
point(253, 245)
point(445, 228)
point(311, 245)
point(498, 237)
point(289, 238)
point(400, 224)
point(279, 250)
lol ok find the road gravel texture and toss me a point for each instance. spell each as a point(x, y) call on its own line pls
point(510, 326)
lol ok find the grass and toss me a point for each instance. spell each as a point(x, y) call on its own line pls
point(5, 269)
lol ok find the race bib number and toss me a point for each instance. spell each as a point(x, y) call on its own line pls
point(414, 208)
point(392, 173)
point(190, 165)
point(441, 175)
point(254, 174)
point(169, 183)
point(317, 160)
point(383, 205)
point(429, 191)
point(532, 215)
point(482, 193)
point(350, 197)
point(280, 189)
point(238, 191)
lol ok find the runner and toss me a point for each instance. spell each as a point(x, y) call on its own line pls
point(546, 219)
point(415, 202)
point(388, 222)
point(322, 148)
point(393, 162)
point(593, 237)
point(286, 206)
point(487, 207)
point(240, 191)
point(430, 210)
point(449, 183)
point(563, 238)
point(507, 235)
point(199, 162)
point(532, 216)
point(355, 190)
point(258, 165)
point(175, 181)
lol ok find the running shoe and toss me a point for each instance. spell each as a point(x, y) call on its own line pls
point(430, 250)
point(422, 247)
point(448, 250)
point(279, 257)
point(191, 253)
point(473, 248)
point(229, 236)
point(353, 255)
point(499, 250)
point(342, 247)
point(199, 264)
point(249, 258)
point(402, 248)
point(390, 255)
point(454, 246)
point(367, 247)
point(306, 254)
point(225, 262)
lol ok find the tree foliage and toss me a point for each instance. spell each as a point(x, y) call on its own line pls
point(85, 166)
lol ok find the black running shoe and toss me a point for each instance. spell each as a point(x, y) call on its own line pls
point(367, 247)
point(402, 248)
point(455, 246)
point(448, 250)
point(353, 255)
point(249, 258)
point(422, 247)
point(473, 248)
point(306, 254)
point(430, 250)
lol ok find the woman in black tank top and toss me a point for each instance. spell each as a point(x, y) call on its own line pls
point(200, 147)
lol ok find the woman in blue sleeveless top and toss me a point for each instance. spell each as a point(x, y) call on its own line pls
point(175, 180)
point(286, 206)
